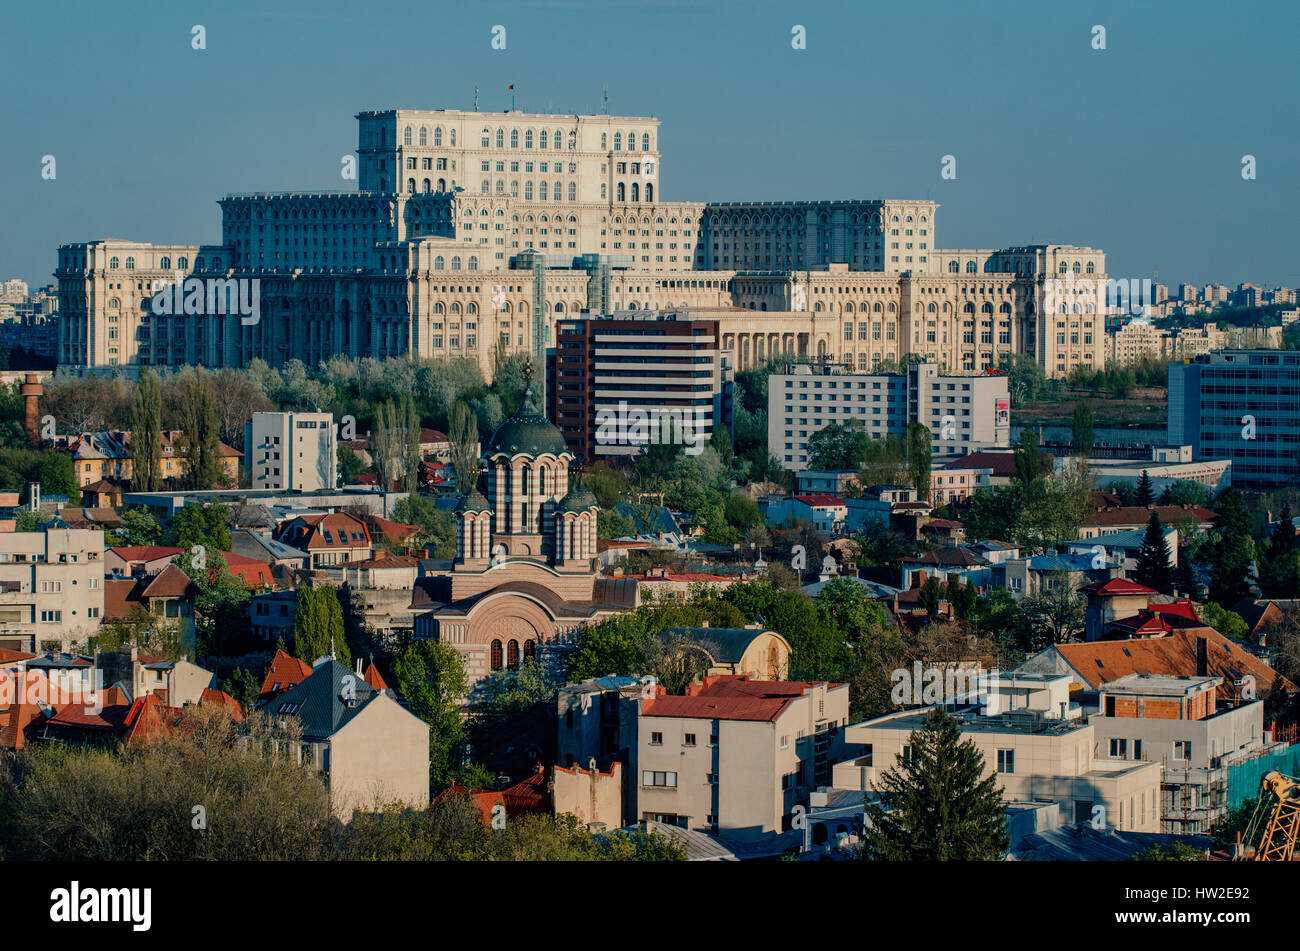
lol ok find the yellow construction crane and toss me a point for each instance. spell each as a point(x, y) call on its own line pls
point(1278, 814)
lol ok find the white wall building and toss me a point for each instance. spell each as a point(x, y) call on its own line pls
point(291, 451)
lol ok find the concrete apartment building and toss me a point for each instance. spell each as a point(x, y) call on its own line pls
point(963, 413)
point(1176, 721)
point(469, 232)
point(1242, 405)
point(1036, 745)
point(735, 756)
point(51, 587)
point(290, 452)
point(614, 386)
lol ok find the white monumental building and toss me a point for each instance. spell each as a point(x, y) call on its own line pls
point(430, 256)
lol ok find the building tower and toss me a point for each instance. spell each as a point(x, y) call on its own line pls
point(31, 391)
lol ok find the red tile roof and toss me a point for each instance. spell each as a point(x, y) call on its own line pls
point(1173, 654)
point(374, 678)
point(249, 570)
point(308, 532)
point(482, 799)
point(171, 582)
point(8, 656)
point(17, 722)
point(146, 552)
point(222, 699)
point(285, 671)
point(729, 698)
point(820, 500)
point(1117, 587)
point(1138, 516)
point(393, 531)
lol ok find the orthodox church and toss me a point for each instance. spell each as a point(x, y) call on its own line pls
point(525, 576)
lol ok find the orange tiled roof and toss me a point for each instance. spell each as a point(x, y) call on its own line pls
point(374, 678)
point(1100, 662)
point(285, 671)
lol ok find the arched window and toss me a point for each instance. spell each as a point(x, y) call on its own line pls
point(618, 141)
point(512, 654)
point(438, 308)
point(1075, 267)
point(455, 262)
point(501, 138)
point(437, 137)
point(1061, 269)
point(555, 192)
point(182, 262)
point(198, 264)
point(953, 267)
point(514, 189)
point(514, 144)
point(604, 141)
point(645, 141)
point(542, 137)
point(485, 186)
point(473, 265)
point(165, 262)
point(970, 267)
point(453, 137)
point(649, 191)
point(426, 186)
point(528, 139)
point(573, 191)
point(622, 195)
point(501, 186)
point(406, 136)
point(603, 190)
point(636, 191)
point(112, 264)
point(530, 649)
point(130, 263)
point(528, 191)
point(410, 186)
point(442, 184)
point(1092, 268)
point(424, 136)
point(487, 138)
point(496, 655)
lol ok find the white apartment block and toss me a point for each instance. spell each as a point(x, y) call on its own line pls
point(428, 257)
point(51, 587)
point(963, 413)
point(291, 452)
point(1033, 758)
point(735, 756)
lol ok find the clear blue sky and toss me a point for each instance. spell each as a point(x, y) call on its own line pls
point(1136, 149)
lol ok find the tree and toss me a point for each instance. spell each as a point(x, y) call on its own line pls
point(146, 435)
point(1228, 623)
point(437, 527)
point(200, 427)
point(1056, 612)
point(463, 436)
point(511, 691)
point(139, 527)
point(1232, 549)
point(1174, 852)
point(918, 459)
point(1153, 569)
point(318, 626)
point(930, 597)
point(1028, 460)
point(838, 446)
point(933, 804)
point(1082, 436)
point(1186, 582)
point(431, 676)
point(206, 525)
point(1145, 495)
point(243, 686)
point(57, 476)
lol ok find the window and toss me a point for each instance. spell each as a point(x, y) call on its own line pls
point(785, 741)
point(1182, 749)
point(661, 779)
point(656, 739)
point(1006, 761)
point(688, 739)
point(868, 755)
point(1118, 748)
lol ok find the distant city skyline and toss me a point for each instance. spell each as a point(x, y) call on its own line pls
point(1136, 149)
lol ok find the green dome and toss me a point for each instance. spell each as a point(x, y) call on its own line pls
point(579, 499)
point(473, 501)
point(527, 432)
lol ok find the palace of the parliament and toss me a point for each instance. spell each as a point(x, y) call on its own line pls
point(471, 233)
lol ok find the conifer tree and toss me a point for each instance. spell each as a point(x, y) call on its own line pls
point(936, 804)
point(1153, 568)
point(1146, 493)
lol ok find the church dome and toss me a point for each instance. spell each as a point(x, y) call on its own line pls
point(473, 501)
point(527, 432)
point(579, 499)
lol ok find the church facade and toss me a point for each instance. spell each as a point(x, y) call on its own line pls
point(525, 578)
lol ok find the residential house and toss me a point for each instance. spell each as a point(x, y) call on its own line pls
point(333, 539)
point(826, 513)
point(51, 587)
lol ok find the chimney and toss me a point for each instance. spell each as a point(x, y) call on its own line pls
point(1202, 657)
point(31, 391)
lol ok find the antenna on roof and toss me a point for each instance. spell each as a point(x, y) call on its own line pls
point(604, 100)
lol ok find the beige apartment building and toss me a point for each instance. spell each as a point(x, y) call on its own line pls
point(1139, 339)
point(291, 451)
point(1035, 752)
point(430, 257)
point(51, 587)
point(735, 756)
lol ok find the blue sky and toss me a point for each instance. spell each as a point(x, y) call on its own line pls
point(1136, 149)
